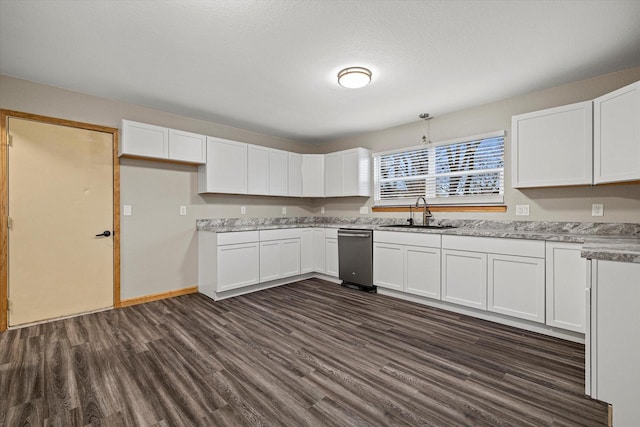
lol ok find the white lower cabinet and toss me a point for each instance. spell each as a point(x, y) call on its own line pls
point(306, 250)
point(279, 254)
point(237, 266)
point(388, 266)
point(408, 262)
point(516, 286)
point(227, 261)
point(566, 278)
point(614, 342)
point(270, 260)
point(290, 258)
point(331, 252)
point(422, 273)
point(464, 278)
point(319, 250)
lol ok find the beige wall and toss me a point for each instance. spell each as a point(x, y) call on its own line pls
point(159, 246)
point(621, 202)
point(158, 250)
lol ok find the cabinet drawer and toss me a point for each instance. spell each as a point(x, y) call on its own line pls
point(237, 237)
point(495, 245)
point(413, 239)
point(279, 234)
point(331, 233)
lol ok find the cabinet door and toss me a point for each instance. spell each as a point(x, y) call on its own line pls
point(516, 286)
point(237, 266)
point(270, 260)
point(313, 175)
point(422, 272)
point(226, 168)
point(295, 175)
point(553, 147)
point(257, 170)
point(306, 250)
point(141, 139)
point(319, 250)
point(187, 146)
point(617, 135)
point(616, 324)
point(464, 278)
point(333, 174)
point(278, 172)
point(290, 258)
point(388, 266)
point(331, 257)
point(565, 284)
point(350, 173)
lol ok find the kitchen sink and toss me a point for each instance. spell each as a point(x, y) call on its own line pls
point(432, 227)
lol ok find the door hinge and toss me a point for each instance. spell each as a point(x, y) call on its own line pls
point(10, 141)
point(8, 304)
point(9, 223)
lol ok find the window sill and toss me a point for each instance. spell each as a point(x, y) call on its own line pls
point(443, 208)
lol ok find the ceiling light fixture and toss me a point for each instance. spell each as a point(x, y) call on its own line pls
point(354, 77)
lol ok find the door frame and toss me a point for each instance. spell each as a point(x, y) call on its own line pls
point(5, 115)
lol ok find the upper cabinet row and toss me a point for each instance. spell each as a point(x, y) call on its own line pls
point(149, 141)
point(591, 142)
point(239, 168)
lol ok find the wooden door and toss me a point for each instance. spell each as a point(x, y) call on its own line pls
point(60, 196)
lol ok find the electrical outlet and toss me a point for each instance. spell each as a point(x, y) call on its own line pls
point(522, 210)
point(183, 210)
point(243, 210)
point(364, 210)
point(284, 210)
point(597, 209)
point(322, 210)
point(126, 210)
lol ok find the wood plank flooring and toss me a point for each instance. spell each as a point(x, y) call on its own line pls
point(309, 353)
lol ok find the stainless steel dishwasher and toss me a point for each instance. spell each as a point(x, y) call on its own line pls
point(355, 258)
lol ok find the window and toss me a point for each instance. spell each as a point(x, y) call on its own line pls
point(462, 171)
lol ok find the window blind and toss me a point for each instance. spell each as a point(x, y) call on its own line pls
point(464, 171)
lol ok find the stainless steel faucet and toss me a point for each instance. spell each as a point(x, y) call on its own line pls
point(426, 213)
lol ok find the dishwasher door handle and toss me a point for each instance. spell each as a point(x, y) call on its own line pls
point(365, 235)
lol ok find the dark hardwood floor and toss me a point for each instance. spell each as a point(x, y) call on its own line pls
point(309, 353)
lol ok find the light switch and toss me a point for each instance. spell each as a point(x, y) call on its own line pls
point(126, 210)
point(522, 210)
point(597, 209)
point(183, 210)
point(243, 210)
point(364, 210)
point(322, 210)
point(284, 210)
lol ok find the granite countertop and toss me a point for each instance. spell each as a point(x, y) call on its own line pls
point(603, 241)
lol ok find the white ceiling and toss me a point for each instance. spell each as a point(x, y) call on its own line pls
point(270, 66)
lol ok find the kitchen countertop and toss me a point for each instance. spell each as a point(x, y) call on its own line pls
point(602, 241)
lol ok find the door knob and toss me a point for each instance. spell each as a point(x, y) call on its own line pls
point(106, 233)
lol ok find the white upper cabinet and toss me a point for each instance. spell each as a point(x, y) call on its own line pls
point(616, 131)
point(187, 146)
point(156, 142)
point(141, 139)
point(553, 147)
point(333, 174)
point(313, 175)
point(295, 175)
point(278, 172)
point(226, 167)
point(348, 173)
point(257, 169)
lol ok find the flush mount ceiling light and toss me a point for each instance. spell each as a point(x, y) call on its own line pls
point(354, 77)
